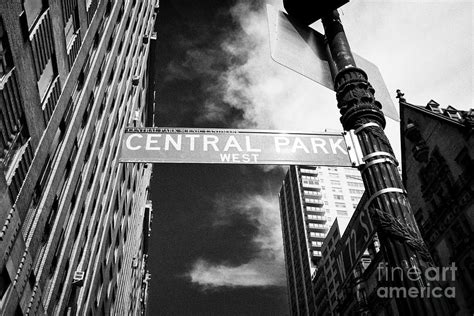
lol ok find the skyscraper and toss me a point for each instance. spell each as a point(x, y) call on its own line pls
point(74, 222)
point(310, 199)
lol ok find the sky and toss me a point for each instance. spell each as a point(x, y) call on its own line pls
point(216, 245)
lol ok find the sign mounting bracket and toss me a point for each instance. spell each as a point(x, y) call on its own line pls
point(353, 149)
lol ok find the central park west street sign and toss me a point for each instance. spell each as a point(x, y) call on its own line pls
point(232, 146)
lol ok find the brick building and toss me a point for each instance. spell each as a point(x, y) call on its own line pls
point(438, 172)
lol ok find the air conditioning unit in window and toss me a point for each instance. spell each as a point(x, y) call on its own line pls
point(78, 279)
point(136, 115)
point(153, 36)
point(135, 263)
point(135, 80)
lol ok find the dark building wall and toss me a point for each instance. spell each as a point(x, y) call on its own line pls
point(438, 172)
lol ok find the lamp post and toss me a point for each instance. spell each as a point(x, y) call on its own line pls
point(387, 202)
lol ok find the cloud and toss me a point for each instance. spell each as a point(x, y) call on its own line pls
point(270, 95)
point(243, 87)
point(266, 268)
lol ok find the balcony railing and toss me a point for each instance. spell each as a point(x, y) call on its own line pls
point(42, 43)
point(12, 113)
point(91, 8)
point(68, 7)
point(313, 201)
point(73, 48)
point(18, 170)
point(49, 102)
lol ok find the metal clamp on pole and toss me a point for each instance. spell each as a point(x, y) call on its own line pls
point(377, 161)
point(383, 191)
point(365, 126)
point(353, 148)
point(386, 157)
point(379, 153)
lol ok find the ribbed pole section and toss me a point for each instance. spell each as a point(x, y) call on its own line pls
point(388, 205)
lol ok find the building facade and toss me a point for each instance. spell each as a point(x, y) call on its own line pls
point(74, 222)
point(438, 172)
point(353, 277)
point(311, 198)
point(349, 269)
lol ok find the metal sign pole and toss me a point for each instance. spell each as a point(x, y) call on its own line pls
point(387, 203)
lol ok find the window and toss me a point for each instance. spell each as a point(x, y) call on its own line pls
point(80, 81)
point(317, 253)
point(33, 9)
point(6, 60)
point(316, 201)
point(356, 184)
point(342, 212)
point(316, 217)
point(69, 31)
point(338, 197)
point(453, 114)
point(316, 244)
point(120, 14)
point(110, 43)
point(108, 9)
point(96, 41)
point(355, 191)
point(314, 209)
point(304, 170)
point(46, 78)
point(5, 282)
point(333, 175)
point(85, 116)
point(111, 76)
point(340, 204)
point(101, 109)
point(335, 182)
point(317, 235)
point(127, 24)
point(313, 225)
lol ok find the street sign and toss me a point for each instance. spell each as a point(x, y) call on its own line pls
point(232, 146)
point(303, 49)
point(355, 240)
point(309, 11)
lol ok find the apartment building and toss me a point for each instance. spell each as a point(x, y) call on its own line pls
point(311, 198)
point(74, 222)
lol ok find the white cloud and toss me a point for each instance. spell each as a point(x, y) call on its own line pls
point(271, 96)
point(267, 267)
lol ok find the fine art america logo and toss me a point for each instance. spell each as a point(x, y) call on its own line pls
point(423, 280)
